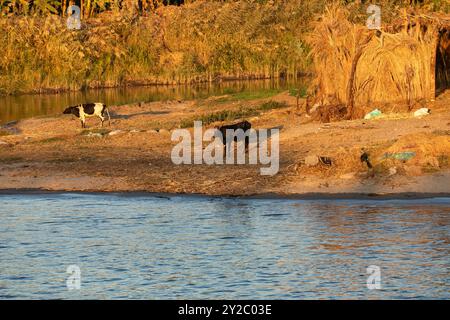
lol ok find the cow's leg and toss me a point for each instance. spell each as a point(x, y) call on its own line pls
point(102, 119)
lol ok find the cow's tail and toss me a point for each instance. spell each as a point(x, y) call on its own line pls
point(107, 112)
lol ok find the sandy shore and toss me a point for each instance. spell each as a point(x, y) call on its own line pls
point(55, 154)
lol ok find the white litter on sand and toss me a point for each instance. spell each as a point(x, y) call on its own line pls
point(421, 112)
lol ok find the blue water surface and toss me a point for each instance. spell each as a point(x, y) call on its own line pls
point(146, 247)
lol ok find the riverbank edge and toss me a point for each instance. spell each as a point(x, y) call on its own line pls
point(262, 196)
point(142, 84)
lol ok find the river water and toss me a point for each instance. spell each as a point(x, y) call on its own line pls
point(25, 106)
point(148, 247)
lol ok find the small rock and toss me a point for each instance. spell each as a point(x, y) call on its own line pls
point(115, 132)
point(152, 131)
point(135, 131)
point(163, 131)
point(312, 161)
point(94, 135)
point(3, 142)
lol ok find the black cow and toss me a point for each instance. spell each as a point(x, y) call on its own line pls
point(85, 110)
point(244, 125)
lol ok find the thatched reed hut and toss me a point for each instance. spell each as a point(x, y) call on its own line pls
point(402, 64)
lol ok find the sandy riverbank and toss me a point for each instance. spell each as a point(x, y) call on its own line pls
point(55, 154)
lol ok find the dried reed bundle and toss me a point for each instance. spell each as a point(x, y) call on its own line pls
point(358, 67)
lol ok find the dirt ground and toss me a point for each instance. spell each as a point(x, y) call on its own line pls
point(54, 153)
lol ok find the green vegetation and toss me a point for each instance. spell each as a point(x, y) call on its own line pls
point(88, 7)
point(51, 140)
point(95, 131)
point(250, 95)
point(226, 115)
point(231, 115)
point(301, 92)
point(272, 105)
point(47, 140)
point(125, 42)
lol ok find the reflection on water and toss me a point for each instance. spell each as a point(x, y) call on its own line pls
point(26, 106)
point(178, 247)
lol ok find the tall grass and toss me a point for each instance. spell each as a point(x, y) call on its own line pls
point(202, 41)
point(126, 42)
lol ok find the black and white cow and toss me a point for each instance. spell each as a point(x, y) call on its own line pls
point(86, 110)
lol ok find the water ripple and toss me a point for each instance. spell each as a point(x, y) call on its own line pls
point(178, 247)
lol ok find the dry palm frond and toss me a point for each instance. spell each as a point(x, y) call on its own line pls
point(356, 65)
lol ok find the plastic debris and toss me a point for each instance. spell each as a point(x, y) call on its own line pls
point(373, 114)
point(422, 112)
point(403, 156)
